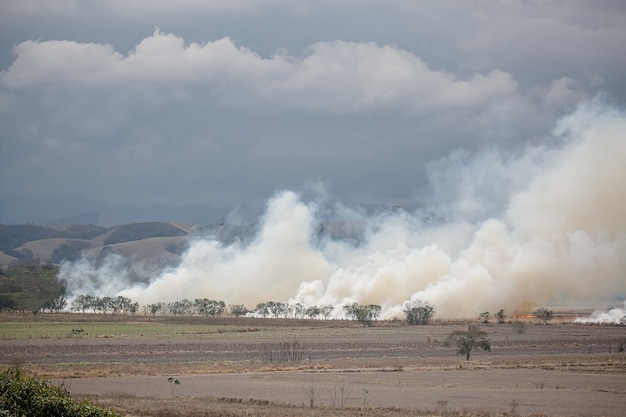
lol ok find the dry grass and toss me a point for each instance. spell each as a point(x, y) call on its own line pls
point(188, 346)
point(232, 407)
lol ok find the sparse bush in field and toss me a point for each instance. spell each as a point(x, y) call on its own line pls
point(21, 395)
point(544, 315)
point(339, 394)
point(174, 384)
point(441, 406)
point(484, 317)
point(281, 352)
point(514, 405)
point(519, 327)
point(79, 332)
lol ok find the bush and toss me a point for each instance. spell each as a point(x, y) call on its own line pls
point(418, 312)
point(21, 395)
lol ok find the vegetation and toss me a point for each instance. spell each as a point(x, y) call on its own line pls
point(69, 251)
point(13, 236)
point(284, 351)
point(418, 312)
point(138, 231)
point(32, 287)
point(484, 317)
point(500, 316)
point(24, 396)
point(364, 314)
point(466, 341)
point(544, 315)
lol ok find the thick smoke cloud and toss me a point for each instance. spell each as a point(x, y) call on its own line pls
point(612, 316)
point(502, 231)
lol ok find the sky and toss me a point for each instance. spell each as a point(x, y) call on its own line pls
point(129, 106)
point(477, 148)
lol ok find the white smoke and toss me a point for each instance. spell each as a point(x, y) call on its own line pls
point(86, 276)
point(512, 232)
point(612, 316)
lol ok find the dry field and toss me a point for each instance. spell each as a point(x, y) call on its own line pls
point(195, 366)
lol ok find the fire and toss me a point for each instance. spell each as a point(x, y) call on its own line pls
point(524, 316)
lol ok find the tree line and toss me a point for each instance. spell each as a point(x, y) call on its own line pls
point(34, 287)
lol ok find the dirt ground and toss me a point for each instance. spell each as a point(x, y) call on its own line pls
point(555, 370)
point(551, 392)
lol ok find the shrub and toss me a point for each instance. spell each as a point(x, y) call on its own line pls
point(291, 351)
point(21, 395)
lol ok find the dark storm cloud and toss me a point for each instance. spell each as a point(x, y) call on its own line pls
point(228, 101)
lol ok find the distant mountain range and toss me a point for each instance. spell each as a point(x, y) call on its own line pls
point(158, 244)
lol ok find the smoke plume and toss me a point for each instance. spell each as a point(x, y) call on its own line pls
point(500, 231)
point(612, 316)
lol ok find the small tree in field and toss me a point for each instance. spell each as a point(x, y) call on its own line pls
point(472, 338)
point(500, 316)
point(544, 314)
point(484, 317)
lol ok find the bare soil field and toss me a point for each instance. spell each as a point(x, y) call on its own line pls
point(221, 367)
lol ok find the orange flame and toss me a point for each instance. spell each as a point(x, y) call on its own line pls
point(524, 316)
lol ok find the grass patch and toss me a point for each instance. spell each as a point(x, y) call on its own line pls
point(82, 330)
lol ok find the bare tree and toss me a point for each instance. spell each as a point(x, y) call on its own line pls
point(312, 394)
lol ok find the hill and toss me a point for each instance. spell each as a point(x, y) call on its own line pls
point(57, 243)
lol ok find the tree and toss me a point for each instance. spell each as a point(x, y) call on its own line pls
point(364, 314)
point(472, 338)
point(262, 309)
point(500, 316)
point(312, 312)
point(155, 308)
point(298, 310)
point(484, 317)
point(418, 312)
point(238, 310)
point(325, 311)
point(544, 314)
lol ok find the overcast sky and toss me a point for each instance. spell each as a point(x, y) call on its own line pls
point(222, 103)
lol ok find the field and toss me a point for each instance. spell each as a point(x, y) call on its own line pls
point(193, 366)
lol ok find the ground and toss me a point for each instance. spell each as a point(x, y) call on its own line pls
point(560, 369)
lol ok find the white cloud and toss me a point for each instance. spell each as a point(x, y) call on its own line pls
point(337, 76)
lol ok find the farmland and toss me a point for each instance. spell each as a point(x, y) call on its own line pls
point(172, 366)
